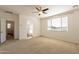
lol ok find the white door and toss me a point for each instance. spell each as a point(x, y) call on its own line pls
point(3, 30)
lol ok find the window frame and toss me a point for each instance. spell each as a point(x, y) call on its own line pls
point(61, 18)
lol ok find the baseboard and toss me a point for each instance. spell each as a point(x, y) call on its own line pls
point(61, 40)
point(2, 43)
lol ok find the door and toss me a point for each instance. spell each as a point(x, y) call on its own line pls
point(9, 30)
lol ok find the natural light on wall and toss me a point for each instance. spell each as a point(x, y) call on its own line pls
point(58, 24)
point(29, 27)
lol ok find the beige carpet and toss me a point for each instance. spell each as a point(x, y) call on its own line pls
point(40, 45)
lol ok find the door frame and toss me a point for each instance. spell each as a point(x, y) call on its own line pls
point(13, 28)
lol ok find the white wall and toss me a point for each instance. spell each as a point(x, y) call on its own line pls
point(3, 29)
point(73, 31)
point(23, 19)
point(22, 27)
point(36, 22)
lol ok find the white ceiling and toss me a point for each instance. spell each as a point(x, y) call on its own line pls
point(29, 9)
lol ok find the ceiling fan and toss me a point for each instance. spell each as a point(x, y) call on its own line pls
point(75, 6)
point(40, 10)
point(9, 12)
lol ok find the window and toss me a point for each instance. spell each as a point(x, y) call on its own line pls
point(8, 25)
point(58, 24)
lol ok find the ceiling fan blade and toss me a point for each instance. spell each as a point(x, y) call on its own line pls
point(45, 9)
point(44, 12)
point(37, 9)
point(74, 6)
point(9, 12)
point(40, 8)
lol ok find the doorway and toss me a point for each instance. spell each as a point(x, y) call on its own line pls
point(9, 30)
